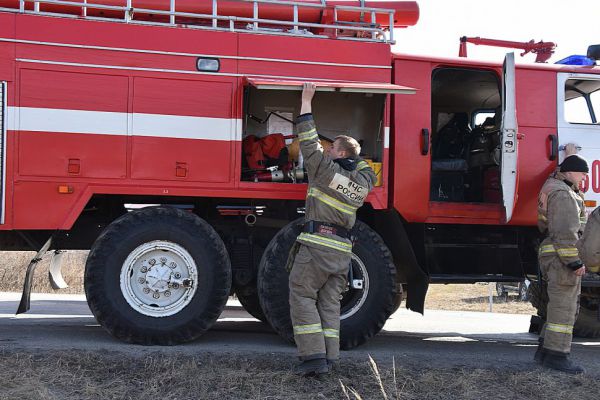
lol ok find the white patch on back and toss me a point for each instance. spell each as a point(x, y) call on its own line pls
point(348, 188)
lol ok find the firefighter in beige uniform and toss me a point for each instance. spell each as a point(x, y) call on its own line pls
point(338, 186)
point(561, 218)
point(589, 244)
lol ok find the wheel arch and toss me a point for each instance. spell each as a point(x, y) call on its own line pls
point(390, 225)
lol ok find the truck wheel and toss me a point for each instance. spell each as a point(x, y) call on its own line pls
point(363, 311)
point(248, 297)
point(538, 296)
point(157, 276)
point(523, 291)
point(587, 324)
point(398, 297)
point(501, 291)
point(588, 320)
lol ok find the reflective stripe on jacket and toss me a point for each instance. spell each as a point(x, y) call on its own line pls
point(334, 193)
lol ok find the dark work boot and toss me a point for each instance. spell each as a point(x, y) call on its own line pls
point(540, 353)
point(331, 364)
point(561, 362)
point(314, 367)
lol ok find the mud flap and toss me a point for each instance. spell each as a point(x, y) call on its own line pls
point(55, 272)
point(391, 228)
point(24, 305)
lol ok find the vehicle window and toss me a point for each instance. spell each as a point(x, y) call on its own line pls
point(577, 112)
point(595, 97)
point(480, 117)
point(582, 101)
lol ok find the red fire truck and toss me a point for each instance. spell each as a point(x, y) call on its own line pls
point(159, 135)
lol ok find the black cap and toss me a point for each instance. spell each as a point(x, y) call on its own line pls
point(574, 163)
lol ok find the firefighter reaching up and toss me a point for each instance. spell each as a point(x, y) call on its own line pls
point(339, 182)
point(561, 219)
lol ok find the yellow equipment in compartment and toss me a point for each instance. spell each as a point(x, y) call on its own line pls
point(377, 168)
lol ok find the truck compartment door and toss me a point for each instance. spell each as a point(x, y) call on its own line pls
point(509, 175)
point(332, 86)
point(358, 109)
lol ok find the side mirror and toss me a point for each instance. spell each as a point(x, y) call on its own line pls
point(593, 52)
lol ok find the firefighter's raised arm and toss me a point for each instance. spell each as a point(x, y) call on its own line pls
point(308, 92)
point(315, 161)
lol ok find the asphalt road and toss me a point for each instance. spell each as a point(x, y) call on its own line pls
point(440, 338)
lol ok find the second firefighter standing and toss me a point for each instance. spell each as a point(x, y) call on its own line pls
point(561, 219)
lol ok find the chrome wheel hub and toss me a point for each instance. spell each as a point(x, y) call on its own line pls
point(159, 278)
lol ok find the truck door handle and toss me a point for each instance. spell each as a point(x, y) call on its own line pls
point(553, 147)
point(424, 141)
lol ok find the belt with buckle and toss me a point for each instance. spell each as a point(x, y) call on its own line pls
point(326, 228)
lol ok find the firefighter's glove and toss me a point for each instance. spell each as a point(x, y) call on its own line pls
point(575, 265)
point(292, 256)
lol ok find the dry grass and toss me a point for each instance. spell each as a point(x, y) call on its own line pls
point(77, 375)
point(473, 297)
point(470, 297)
point(13, 265)
point(101, 375)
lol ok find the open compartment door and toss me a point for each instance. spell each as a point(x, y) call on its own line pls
point(357, 109)
point(509, 175)
point(332, 86)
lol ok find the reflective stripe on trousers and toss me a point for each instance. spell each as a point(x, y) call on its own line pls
point(306, 329)
point(331, 333)
point(560, 328)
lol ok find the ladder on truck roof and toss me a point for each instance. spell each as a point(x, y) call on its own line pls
point(366, 29)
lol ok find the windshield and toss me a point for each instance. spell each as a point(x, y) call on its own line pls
point(582, 101)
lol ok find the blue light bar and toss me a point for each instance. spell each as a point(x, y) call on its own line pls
point(576, 60)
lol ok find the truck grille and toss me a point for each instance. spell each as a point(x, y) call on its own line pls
point(3, 124)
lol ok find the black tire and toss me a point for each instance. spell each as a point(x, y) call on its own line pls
point(538, 296)
point(248, 297)
point(588, 320)
point(523, 291)
point(500, 291)
point(247, 291)
point(587, 324)
point(398, 297)
point(359, 320)
point(137, 230)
